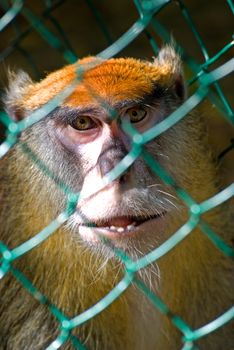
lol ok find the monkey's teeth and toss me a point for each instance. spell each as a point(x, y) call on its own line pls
point(122, 229)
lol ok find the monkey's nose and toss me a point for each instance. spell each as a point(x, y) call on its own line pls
point(106, 164)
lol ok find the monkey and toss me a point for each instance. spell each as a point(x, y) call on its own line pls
point(80, 142)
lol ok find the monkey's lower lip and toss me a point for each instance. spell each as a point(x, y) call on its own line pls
point(120, 227)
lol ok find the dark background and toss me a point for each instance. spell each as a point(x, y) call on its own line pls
point(32, 53)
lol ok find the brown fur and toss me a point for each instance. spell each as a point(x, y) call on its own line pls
point(196, 279)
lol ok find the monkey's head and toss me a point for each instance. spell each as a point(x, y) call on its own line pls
point(82, 140)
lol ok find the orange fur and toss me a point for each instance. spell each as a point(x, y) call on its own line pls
point(114, 80)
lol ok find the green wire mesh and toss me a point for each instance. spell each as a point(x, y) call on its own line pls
point(207, 86)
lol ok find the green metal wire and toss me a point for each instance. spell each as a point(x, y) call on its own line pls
point(11, 14)
point(148, 10)
point(223, 105)
point(100, 21)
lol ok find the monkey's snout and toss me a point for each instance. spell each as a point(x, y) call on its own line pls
point(106, 164)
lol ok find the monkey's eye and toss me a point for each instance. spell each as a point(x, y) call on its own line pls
point(136, 114)
point(83, 123)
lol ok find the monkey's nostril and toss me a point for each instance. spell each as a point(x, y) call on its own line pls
point(107, 164)
point(124, 177)
point(110, 156)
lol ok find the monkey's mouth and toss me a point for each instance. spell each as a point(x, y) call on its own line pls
point(122, 225)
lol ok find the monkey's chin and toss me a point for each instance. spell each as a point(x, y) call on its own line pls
point(121, 235)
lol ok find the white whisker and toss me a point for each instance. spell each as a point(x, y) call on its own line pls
point(167, 194)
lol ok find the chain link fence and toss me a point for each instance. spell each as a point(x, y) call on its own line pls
point(205, 83)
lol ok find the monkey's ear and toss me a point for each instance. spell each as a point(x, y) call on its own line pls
point(170, 59)
point(18, 84)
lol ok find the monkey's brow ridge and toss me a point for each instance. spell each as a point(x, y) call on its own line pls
point(68, 113)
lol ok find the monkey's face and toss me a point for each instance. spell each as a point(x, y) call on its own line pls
point(87, 134)
point(133, 203)
point(91, 127)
